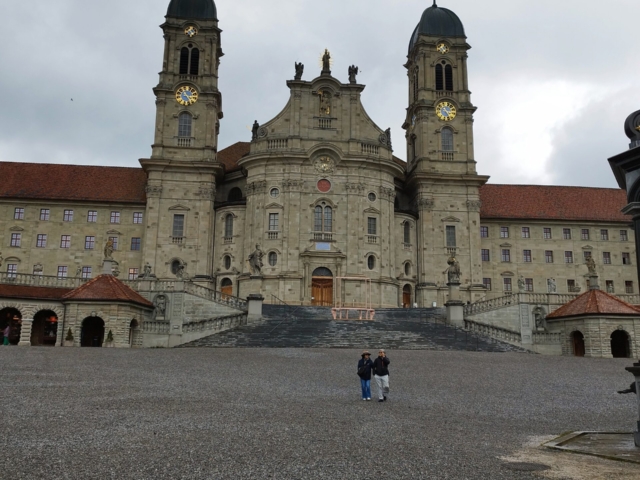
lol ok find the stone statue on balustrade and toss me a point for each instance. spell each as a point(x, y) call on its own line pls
point(255, 261)
point(453, 272)
point(551, 285)
point(181, 272)
point(521, 285)
point(591, 265)
point(299, 71)
point(147, 272)
point(353, 72)
point(108, 250)
point(254, 130)
point(326, 62)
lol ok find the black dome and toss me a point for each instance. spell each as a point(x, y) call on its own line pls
point(193, 9)
point(438, 22)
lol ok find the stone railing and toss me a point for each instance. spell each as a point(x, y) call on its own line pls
point(499, 333)
point(156, 327)
point(215, 296)
point(632, 299)
point(40, 280)
point(518, 298)
point(214, 325)
point(544, 338)
point(491, 304)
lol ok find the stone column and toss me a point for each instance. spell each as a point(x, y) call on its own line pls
point(635, 371)
point(254, 302)
point(25, 332)
point(455, 306)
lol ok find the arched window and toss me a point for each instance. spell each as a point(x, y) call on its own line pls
point(371, 262)
point(189, 60)
point(448, 76)
point(228, 227)
point(235, 195)
point(439, 78)
point(396, 204)
point(323, 219)
point(447, 142)
point(227, 262)
point(407, 269)
point(407, 233)
point(273, 259)
point(184, 124)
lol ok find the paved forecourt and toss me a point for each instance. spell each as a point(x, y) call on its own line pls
point(293, 413)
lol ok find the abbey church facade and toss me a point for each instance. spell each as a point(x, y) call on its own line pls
point(316, 209)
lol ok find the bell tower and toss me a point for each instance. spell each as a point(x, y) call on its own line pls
point(183, 167)
point(442, 175)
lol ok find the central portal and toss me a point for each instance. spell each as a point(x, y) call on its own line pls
point(322, 287)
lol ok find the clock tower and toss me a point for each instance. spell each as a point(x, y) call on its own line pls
point(183, 167)
point(442, 177)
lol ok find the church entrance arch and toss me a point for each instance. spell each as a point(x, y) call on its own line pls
point(44, 329)
point(322, 287)
point(92, 334)
point(226, 287)
point(577, 344)
point(620, 344)
point(13, 318)
point(406, 296)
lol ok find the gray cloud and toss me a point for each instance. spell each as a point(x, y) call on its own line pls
point(106, 55)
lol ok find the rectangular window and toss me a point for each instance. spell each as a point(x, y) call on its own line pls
point(626, 259)
point(486, 257)
point(508, 287)
point(526, 256)
point(134, 273)
point(504, 232)
point(506, 255)
point(68, 216)
point(274, 220)
point(178, 226)
point(566, 233)
point(16, 239)
point(92, 216)
point(65, 241)
point(41, 241)
point(546, 233)
point(528, 284)
point(568, 257)
point(114, 240)
point(12, 270)
point(610, 287)
point(487, 283)
point(628, 287)
point(484, 232)
point(584, 235)
point(63, 271)
point(571, 286)
point(18, 214)
point(548, 256)
point(45, 214)
point(606, 258)
point(604, 235)
point(137, 218)
point(89, 243)
point(136, 243)
point(372, 226)
point(624, 236)
point(115, 217)
point(86, 272)
point(526, 232)
point(451, 236)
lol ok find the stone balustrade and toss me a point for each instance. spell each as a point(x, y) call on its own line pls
point(498, 333)
point(213, 325)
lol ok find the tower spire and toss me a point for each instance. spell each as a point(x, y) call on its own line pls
point(435, 4)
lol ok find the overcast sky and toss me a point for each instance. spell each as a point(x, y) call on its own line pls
point(553, 80)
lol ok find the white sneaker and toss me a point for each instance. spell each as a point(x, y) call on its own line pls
point(368, 399)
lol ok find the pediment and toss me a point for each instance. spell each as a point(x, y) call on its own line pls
point(12, 260)
point(508, 274)
point(114, 232)
point(451, 220)
point(16, 229)
point(179, 207)
point(274, 205)
point(506, 245)
point(587, 247)
point(372, 210)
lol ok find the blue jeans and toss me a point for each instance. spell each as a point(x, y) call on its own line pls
point(366, 388)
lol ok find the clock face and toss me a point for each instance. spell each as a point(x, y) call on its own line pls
point(191, 31)
point(186, 96)
point(446, 111)
point(442, 48)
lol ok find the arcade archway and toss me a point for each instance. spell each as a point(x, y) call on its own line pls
point(92, 334)
point(44, 329)
point(322, 287)
point(620, 344)
point(12, 318)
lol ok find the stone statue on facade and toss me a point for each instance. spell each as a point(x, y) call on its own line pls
point(521, 284)
point(78, 272)
point(353, 72)
point(181, 272)
point(255, 261)
point(299, 71)
point(387, 133)
point(108, 250)
point(160, 306)
point(551, 285)
point(254, 130)
point(453, 272)
point(326, 61)
point(539, 315)
point(591, 265)
point(146, 271)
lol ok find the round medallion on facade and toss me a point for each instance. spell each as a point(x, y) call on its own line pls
point(191, 31)
point(324, 165)
point(324, 185)
point(186, 95)
point(443, 48)
point(446, 111)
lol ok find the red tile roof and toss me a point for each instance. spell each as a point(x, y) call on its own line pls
point(229, 156)
point(594, 302)
point(532, 202)
point(107, 288)
point(72, 182)
point(25, 291)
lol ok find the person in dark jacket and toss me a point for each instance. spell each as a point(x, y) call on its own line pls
point(381, 374)
point(364, 372)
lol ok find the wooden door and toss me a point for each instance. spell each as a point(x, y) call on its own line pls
point(322, 292)
point(578, 344)
point(406, 297)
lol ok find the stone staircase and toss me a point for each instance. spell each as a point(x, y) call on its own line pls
point(305, 327)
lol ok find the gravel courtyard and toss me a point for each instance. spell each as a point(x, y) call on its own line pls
point(296, 414)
